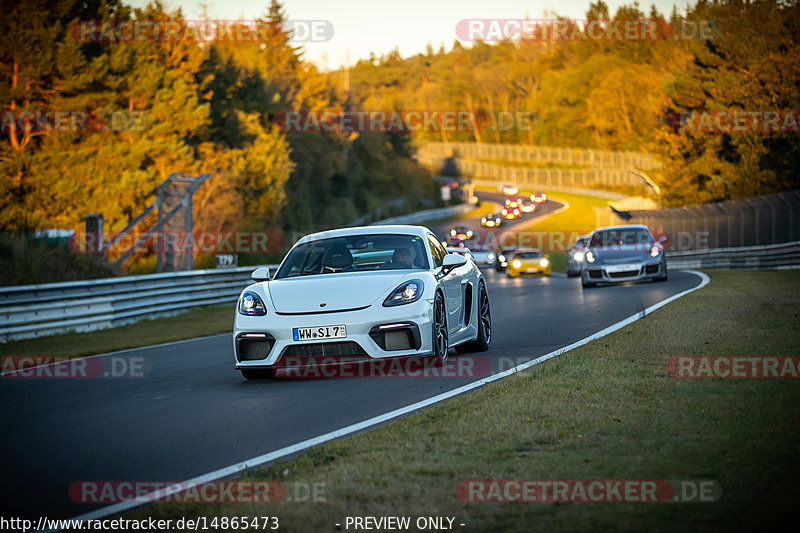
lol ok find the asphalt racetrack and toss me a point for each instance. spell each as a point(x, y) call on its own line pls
point(192, 413)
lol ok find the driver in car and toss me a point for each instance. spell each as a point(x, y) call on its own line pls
point(404, 257)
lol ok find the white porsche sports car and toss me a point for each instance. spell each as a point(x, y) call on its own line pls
point(361, 294)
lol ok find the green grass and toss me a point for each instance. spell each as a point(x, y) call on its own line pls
point(607, 410)
point(207, 320)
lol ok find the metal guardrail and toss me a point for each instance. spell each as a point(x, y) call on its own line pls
point(428, 214)
point(38, 310)
point(566, 157)
point(774, 256)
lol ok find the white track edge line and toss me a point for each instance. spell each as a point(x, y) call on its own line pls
point(257, 461)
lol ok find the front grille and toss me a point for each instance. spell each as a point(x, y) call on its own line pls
point(651, 269)
point(624, 274)
point(344, 351)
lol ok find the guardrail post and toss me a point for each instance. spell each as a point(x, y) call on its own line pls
point(160, 234)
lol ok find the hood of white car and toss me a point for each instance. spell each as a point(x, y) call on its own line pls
point(341, 291)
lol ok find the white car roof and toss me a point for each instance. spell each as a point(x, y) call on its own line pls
point(366, 230)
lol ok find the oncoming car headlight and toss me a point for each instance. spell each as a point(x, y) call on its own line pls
point(590, 257)
point(407, 293)
point(544, 262)
point(490, 257)
point(251, 304)
point(654, 251)
point(516, 263)
point(578, 257)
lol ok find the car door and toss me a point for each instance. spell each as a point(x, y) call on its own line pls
point(451, 283)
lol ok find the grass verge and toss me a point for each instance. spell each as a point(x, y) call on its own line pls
point(202, 321)
point(607, 410)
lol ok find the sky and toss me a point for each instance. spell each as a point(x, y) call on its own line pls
point(378, 26)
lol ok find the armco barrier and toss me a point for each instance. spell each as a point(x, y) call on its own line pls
point(38, 310)
point(429, 214)
point(773, 256)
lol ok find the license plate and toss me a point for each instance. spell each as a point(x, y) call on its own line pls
point(623, 268)
point(319, 332)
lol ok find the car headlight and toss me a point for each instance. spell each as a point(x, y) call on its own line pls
point(407, 293)
point(498, 220)
point(483, 220)
point(578, 257)
point(516, 263)
point(590, 257)
point(452, 233)
point(501, 258)
point(469, 233)
point(654, 251)
point(251, 304)
point(490, 257)
point(544, 262)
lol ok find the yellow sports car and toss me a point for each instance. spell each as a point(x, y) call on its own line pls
point(528, 262)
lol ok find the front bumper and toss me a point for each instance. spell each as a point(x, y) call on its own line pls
point(605, 273)
point(372, 333)
point(529, 269)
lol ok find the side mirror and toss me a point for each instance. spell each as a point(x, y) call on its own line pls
point(662, 239)
point(452, 261)
point(260, 274)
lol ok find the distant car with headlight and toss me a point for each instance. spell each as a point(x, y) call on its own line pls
point(623, 253)
point(538, 197)
point(528, 261)
point(575, 255)
point(361, 294)
point(508, 190)
point(492, 220)
point(502, 257)
point(512, 202)
point(511, 213)
point(462, 233)
point(482, 255)
point(527, 206)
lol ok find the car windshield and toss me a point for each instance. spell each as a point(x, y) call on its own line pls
point(622, 236)
point(354, 253)
point(529, 255)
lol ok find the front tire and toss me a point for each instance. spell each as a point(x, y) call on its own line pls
point(440, 336)
point(484, 338)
